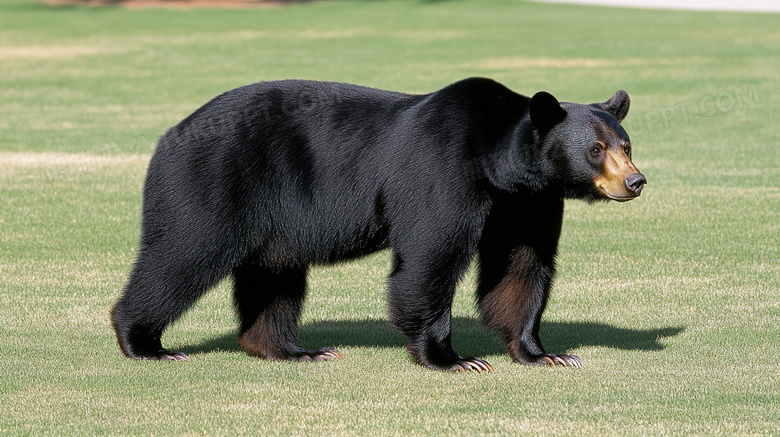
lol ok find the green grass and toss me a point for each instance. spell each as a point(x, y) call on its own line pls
point(671, 301)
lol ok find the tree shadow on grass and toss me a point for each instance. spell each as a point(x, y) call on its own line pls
point(469, 337)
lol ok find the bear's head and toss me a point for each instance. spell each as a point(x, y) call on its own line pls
point(584, 149)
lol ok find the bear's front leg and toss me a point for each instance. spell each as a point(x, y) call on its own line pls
point(513, 288)
point(419, 299)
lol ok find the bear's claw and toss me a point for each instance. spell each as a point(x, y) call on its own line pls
point(174, 356)
point(558, 360)
point(164, 355)
point(477, 364)
point(323, 354)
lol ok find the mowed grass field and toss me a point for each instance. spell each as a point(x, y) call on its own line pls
point(671, 301)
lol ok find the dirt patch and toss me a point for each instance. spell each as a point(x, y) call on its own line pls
point(514, 63)
point(29, 159)
point(60, 166)
point(178, 4)
point(48, 52)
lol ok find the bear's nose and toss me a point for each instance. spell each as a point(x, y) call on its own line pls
point(635, 182)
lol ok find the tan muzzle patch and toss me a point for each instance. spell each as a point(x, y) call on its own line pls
point(621, 180)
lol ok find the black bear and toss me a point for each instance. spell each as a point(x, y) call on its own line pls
point(271, 178)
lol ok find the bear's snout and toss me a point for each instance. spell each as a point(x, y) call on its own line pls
point(635, 183)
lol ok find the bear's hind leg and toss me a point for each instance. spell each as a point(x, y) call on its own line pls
point(155, 296)
point(269, 306)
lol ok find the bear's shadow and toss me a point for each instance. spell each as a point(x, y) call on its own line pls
point(469, 337)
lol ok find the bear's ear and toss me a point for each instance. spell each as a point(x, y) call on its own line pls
point(618, 105)
point(545, 110)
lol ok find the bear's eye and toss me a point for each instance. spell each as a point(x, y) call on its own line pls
point(596, 151)
point(627, 149)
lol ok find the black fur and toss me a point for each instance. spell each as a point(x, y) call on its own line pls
point(271, 178)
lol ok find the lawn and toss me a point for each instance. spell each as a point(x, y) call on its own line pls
point(672, 301)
